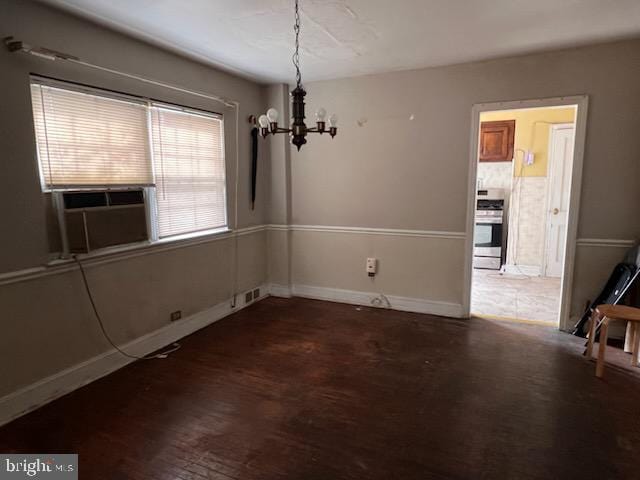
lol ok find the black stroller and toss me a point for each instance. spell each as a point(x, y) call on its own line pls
point(622, 278)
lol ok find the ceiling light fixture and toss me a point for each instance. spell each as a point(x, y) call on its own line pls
point(298, 131)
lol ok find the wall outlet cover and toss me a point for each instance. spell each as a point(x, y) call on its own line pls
point(256, 293)
point(248, 297)
point(372, 266)
point(177, 315)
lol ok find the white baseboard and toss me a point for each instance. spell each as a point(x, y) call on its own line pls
point(37, 394)
point(406, 304)
point(277, 290)
point(530, 270)
point(48, 389)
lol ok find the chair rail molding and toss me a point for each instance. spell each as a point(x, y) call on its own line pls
point(370, 231)
point(605, 242)
point(116, 254)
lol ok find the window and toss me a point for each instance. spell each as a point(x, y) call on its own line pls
point(189, 159)
point(90, 140)
point(93, 139)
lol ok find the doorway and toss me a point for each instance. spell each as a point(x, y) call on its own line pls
point(526, 170)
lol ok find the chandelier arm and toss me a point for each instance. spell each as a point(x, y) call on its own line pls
point(280, 130)
point(298, 129)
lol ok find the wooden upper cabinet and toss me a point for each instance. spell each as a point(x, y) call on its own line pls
point(496, 141)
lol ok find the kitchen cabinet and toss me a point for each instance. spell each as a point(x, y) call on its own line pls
point(496, 141)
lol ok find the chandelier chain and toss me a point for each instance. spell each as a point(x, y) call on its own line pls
point(296, 55)
point(298, 129)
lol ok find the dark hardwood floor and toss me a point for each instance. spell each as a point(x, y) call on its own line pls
point(303, 389)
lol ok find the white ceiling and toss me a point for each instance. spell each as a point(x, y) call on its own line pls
point(342, 38)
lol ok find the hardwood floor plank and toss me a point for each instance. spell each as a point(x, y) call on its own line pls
point(289, 389)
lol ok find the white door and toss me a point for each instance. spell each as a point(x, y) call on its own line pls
point(559, 174)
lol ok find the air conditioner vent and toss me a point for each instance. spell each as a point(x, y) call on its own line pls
point(126, 197)
point(103, 218)
point(74, 200)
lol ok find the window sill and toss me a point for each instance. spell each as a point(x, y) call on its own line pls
point(107, 254)
point(188, 236)
point(116, 254)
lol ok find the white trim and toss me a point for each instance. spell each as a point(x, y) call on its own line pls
point(370, 231)
point(250, 230)
point(529, 270)
point(354, 297)
point(191, 235)
point(553, 129)
point(278, 226)
point(50, 388)
point(116, 254)
point(605, 242)
point(582, 102)
point(282, 291)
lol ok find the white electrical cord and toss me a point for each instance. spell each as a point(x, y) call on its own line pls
point(512, 246)
point(518, 185)
point(381, 301)
point(161, 355)
point(234, 273)
point(228, 103)
point(52, 55)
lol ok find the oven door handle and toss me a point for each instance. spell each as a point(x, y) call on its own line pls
point(488, 221)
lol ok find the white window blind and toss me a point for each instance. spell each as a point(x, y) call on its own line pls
point(87, 140)
point(188, 152)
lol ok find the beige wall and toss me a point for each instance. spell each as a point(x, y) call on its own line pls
point(47, 324)
point(279, 241)
point(407, 267)
point(401, 161)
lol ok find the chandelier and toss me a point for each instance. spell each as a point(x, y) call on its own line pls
point(298, 131)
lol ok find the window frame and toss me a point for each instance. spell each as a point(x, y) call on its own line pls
point(154, 213)
point(151, 205)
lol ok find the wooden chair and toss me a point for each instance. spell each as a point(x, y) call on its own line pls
point(607, 314)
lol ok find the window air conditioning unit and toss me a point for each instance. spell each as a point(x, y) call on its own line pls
point(95, 219)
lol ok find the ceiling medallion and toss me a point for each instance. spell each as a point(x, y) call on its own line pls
point(298, 131)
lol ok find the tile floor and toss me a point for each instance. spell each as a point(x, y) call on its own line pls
point(515, 296)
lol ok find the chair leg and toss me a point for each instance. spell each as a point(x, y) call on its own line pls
point(592, 333)
point(604, 334)
point(635, 345)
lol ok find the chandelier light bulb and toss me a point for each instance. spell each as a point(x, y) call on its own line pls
point(321, 114)
point(297, 128)
point(272, 115)
point(263, 121)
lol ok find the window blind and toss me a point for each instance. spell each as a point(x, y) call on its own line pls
point(188, 152)
point(87, 140)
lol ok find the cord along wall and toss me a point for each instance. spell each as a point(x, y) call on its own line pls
point(525, 184)
point(134, 293)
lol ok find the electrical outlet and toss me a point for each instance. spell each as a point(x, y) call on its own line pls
point(248, 297)
point(256, 293)
point(372, 266)
point(177, 315)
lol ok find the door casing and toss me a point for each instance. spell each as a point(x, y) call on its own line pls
point(582, 103)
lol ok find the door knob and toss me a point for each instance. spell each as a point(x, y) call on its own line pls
point(556, 211)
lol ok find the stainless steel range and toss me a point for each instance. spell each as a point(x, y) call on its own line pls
point(487, 236)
